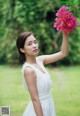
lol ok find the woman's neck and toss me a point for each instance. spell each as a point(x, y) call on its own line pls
point(31, 60)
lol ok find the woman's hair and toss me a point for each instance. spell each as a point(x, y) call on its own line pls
point(20, 44)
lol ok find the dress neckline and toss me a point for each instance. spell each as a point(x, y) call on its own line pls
point(43, 72)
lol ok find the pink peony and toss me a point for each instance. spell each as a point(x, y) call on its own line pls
point(65, 20)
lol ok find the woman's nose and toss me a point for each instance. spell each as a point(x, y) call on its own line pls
point(34, 45)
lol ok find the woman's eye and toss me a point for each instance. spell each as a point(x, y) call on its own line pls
point(35, 42)
point(29, 44)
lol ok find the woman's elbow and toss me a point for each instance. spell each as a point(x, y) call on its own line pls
point(35, 99)
point(65, 55)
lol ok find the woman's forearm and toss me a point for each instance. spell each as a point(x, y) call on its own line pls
point(65, 44)
point(37, 107)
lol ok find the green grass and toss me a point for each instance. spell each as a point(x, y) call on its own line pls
point(65, 90)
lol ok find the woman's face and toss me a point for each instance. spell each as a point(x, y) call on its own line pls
point(31, 46)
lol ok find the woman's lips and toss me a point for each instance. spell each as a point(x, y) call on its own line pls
point(35, 50)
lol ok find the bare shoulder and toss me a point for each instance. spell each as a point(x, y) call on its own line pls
point(29, 72)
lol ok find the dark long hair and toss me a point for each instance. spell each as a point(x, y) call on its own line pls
point(20, 44)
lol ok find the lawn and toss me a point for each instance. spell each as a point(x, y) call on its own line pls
point(65, 90)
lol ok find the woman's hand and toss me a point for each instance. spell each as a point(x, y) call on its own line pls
point(65, 33)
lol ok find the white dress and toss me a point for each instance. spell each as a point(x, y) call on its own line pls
point(44, 84)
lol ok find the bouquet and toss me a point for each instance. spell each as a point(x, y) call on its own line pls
point(65, 20)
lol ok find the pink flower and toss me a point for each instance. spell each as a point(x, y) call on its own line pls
point(65, 20)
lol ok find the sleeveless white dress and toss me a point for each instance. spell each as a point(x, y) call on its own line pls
point(44, 84)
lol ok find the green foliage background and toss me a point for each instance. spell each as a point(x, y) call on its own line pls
point(36, 16)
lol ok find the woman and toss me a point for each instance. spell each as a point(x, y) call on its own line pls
point(36, 78)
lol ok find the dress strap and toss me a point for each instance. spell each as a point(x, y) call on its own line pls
point(42, 65)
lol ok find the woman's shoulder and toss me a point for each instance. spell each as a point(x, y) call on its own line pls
point(26, 67)
point(28, 72)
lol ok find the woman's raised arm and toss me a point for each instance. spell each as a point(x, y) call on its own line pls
point(46, 59)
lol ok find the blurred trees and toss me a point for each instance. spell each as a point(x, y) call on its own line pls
point(17, 16)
